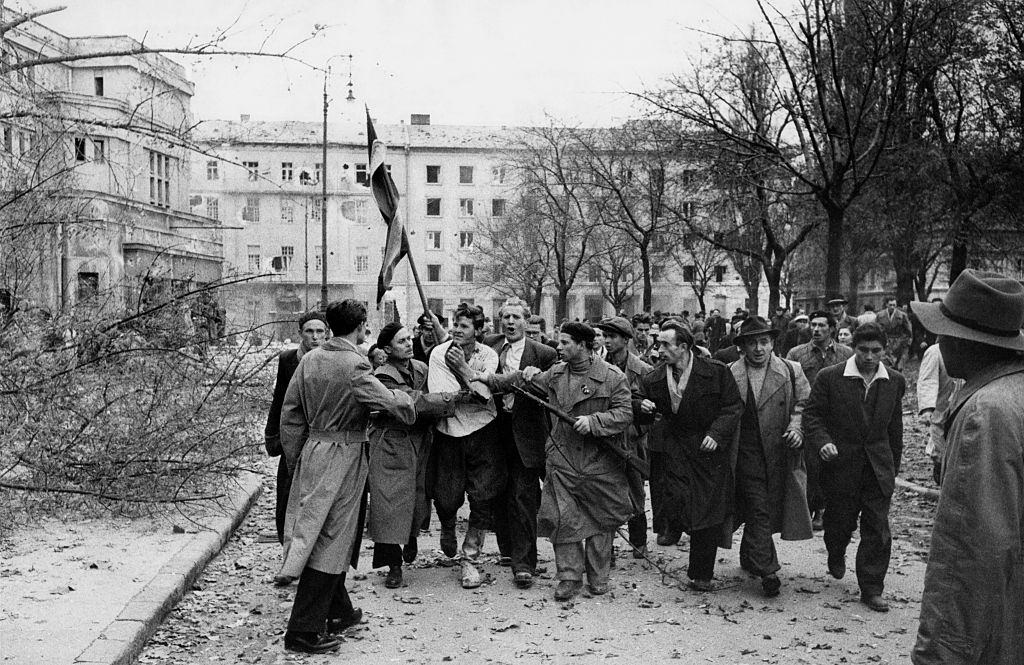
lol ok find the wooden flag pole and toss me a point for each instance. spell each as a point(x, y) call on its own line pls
point(439, 333)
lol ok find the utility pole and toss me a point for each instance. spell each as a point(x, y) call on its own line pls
point(323, 204)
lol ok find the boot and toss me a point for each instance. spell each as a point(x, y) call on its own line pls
point(448, 543)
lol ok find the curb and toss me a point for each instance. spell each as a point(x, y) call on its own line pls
point(122, 640)
point(927, 492)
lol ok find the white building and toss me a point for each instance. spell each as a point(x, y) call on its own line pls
point(105, 137)
point(263, 180)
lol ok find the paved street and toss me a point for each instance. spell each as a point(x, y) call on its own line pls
point(234, 614)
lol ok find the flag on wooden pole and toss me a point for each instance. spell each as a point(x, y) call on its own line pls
point(396, 247)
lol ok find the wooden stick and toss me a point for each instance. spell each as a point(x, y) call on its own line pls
point(440, 335)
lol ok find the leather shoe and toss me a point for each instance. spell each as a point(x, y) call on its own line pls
point(523, 579)
point(874, 602)
point(566, 589)
point(817, 523)
point(338, 625)
point(668, 539)
point(837, 565)
point(310, 642)
point(598, 589)
point(409, 551)
point(639, 551)
point(394, 578)
point(470, 576)
point(770, 585)
point(283, 580)
point(704, 586)
point(448, 543)
point(505, 561)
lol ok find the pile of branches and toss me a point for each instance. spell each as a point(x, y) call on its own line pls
point(145, 410)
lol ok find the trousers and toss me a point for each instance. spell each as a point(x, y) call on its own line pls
point(593, 555)
point(871, 507)
point(319, 597)
point(472, 466)
point(757, 548)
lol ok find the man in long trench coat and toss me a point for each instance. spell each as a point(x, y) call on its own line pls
point(323, 432)
point(771, 480)
point(972, 609)
point(586, 492)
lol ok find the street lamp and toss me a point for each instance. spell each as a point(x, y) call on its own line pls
point(323, 178)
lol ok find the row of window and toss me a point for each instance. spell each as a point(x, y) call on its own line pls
point(433, 175)
point(467, 207)
point(17, 142)
point(434, 240)
point(354, 209)
point(285, 262)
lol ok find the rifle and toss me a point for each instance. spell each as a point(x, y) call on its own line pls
point(632, 460)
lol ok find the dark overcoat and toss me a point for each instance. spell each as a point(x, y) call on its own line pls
point(698, 486)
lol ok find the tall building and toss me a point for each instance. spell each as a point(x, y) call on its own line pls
point(263, 181)
point(95, 175)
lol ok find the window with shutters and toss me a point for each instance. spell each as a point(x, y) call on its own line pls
point(212, 170)
point(212, 208)
point(253, 255)
point(251, 211)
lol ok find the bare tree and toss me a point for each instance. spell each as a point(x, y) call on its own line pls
point(553, 190)
point(701, 263)
point(614, 267)
point(515, 257)
point(830, 79)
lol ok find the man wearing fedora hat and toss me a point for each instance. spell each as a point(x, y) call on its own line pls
point(854, 419)
point(972, 608)
point(771, 480)
point(837, 306)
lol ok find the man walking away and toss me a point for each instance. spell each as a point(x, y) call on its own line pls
point(323, 432)
point(972, 609)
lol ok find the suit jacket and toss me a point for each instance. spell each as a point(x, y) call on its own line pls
point(863, 430)
point(529, 422)
point(287, 361)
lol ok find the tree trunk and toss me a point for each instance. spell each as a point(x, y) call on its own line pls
point(773, 275)
point(834, 249)
point(958, 254)
point(855, 275)
point(562, 305)
point(645, 263)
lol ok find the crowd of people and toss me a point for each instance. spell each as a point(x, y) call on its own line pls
point(727, 424)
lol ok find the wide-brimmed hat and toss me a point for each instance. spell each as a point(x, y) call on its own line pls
point(982, 307)
point(753, 326)
point(616, 324)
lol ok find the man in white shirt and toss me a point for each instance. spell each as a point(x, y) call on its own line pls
point(466, 456)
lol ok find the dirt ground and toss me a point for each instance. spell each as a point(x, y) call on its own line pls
point(70, 578)
point(236, 615)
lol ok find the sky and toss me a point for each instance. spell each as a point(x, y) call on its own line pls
point(466, 62)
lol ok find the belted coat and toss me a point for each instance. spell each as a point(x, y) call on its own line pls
point(324, 435)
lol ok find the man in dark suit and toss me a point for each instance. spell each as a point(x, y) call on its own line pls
point(523, 429)
point(854, 418)
point(312, 331)
point(691, 448)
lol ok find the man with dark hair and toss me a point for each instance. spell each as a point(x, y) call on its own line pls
point(715, 329)
point(617, 333)
point(428, 326)
point(324, 418)
point(822, 351)
point(770, 477)
point(312, 333)
point(854, 419)
point(972, 608)
point(536, 329)
point(586, 493)
point(522, 430)
point(466, 458)
point(691, 449)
